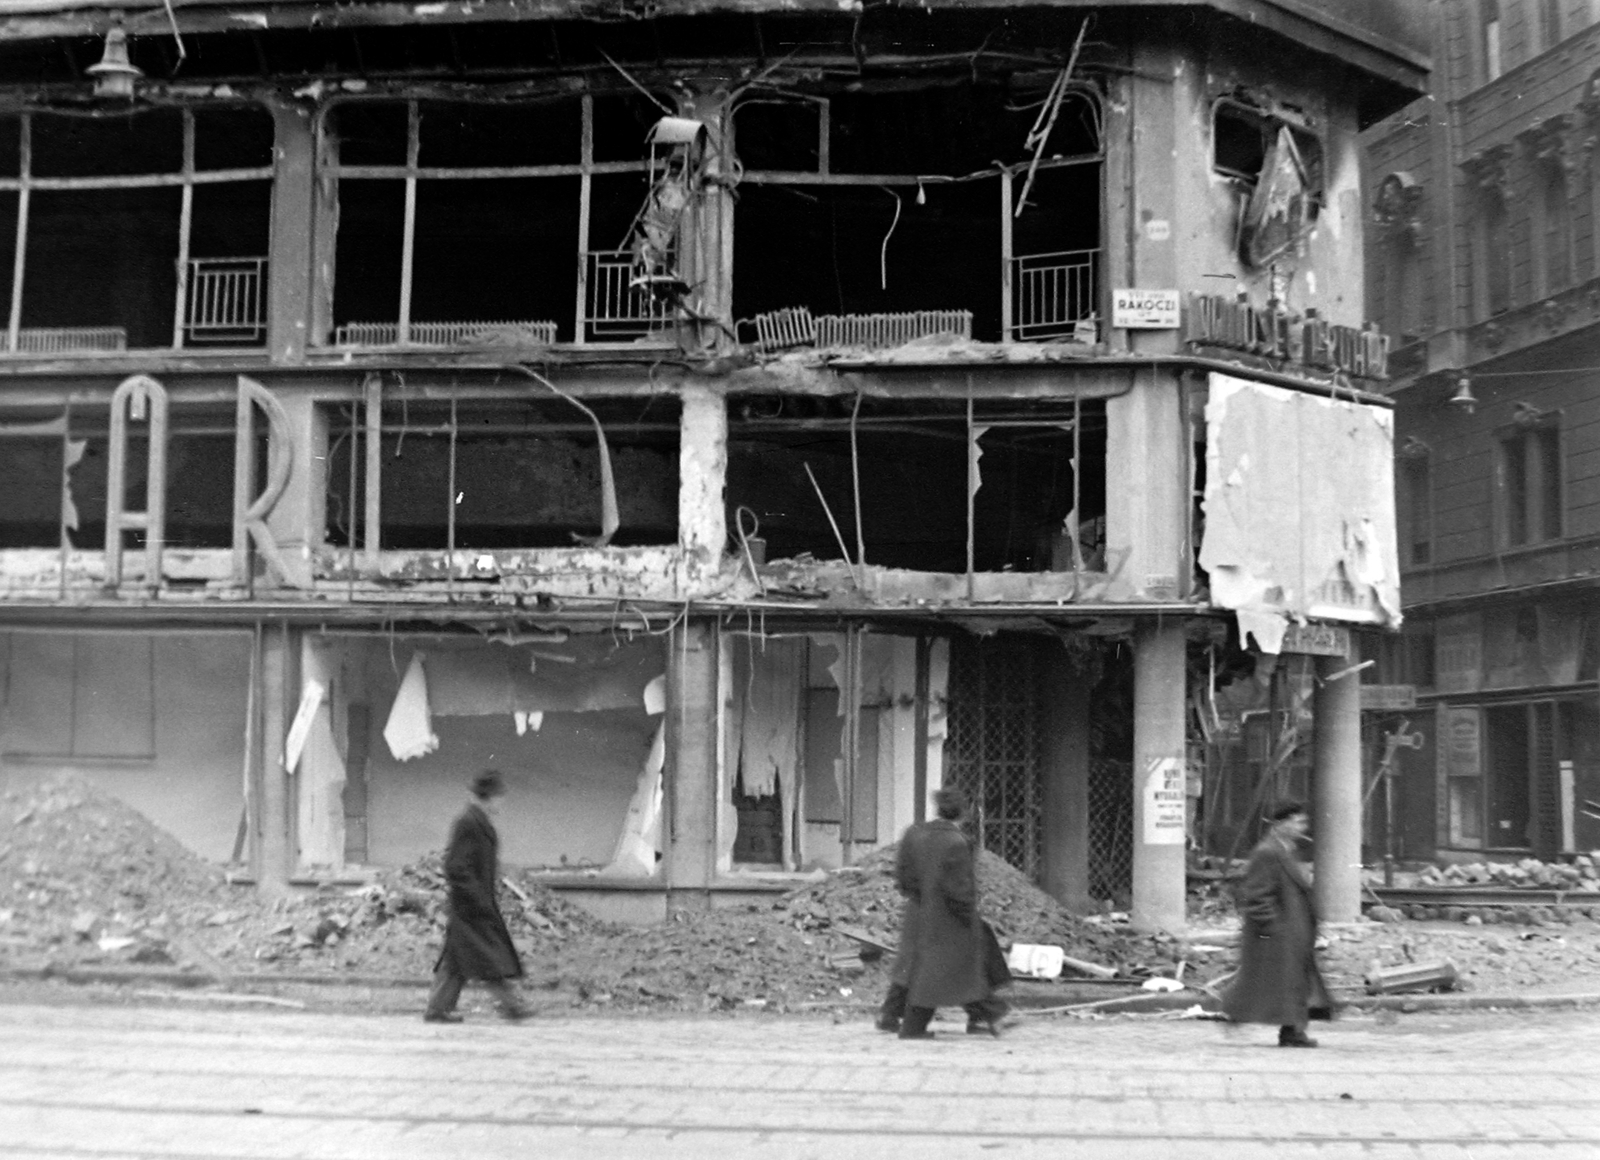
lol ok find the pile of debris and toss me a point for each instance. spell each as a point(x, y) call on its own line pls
point(84, 877)
point(1581, 874)
point(864, 895)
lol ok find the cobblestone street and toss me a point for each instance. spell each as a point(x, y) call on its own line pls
point(105, 1081)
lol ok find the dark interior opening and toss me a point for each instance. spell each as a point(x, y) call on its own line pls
point(929, 245)
point(952, 129)
point(103, 257)
point(913, 468)
point(1241, 138)
point(231, 219)
point(527, 473)
point(485, 248)
point(620, 125)
point(778, 135)
point(239, 137)
point(367, 251)
point(496, 249)
point(200, 444)
point(474, 134)
point(103, 146)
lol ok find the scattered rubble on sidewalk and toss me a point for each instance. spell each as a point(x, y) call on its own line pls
point(85, 880)
point(1581, 874)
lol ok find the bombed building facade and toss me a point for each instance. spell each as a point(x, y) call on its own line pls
point(730, 420)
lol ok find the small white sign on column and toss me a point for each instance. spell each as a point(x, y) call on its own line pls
point(1164, 804)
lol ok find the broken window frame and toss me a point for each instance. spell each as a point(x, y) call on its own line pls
point(1076, 268)
point(362, 419)
point(185, 179)
point(1086, 548)
point(590, 262)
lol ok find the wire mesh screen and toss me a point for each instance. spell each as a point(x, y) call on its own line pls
point(992, 748)
point(1110, 828)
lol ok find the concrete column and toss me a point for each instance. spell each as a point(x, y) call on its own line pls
point(301, 513)
point(289, 265)
point(1148, 490)
point(693, 732)
point(1159, 881)
point(277, 692)
point(1065, 758)
point(1336, 792)
point(702, 479)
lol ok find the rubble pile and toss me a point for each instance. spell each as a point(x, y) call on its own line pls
point(87, 878)
point(1581, 874)
point(864, 895)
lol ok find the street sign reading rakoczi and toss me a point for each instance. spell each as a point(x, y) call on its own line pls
point(1145, 309)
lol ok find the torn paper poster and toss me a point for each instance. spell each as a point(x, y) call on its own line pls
point(310, 697)
point(527, 722)
point(320, 802)
point(1299, 508)
point(639, 844)
point(409, 730)
point(769, 680)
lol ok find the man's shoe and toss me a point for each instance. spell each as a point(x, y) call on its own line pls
point(1295, 1039)
point(885, 1024)
point(441, 1017)
point(995, 1027)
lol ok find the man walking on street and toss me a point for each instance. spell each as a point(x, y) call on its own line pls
point(943, 953)
point(477, 944)
point(1278, 980)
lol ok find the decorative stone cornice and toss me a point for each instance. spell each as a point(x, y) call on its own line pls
point(1397, 208)
point(1554, 144)
point(1587, 129)
point(1490, 170)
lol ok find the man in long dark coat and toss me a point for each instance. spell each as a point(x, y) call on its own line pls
point(477, 944)
point(1278, 979)
point(946, 950)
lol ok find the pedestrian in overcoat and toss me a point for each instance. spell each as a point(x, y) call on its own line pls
point(1278, 979)
point(945, 950)
point(477, 944)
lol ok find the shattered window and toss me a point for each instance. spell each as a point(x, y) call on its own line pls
point(1032, 476)
point(1277, 167)
point(53, 471)
point(511, 474)
point(459, 221)
point(142, 229)
point(870, 217)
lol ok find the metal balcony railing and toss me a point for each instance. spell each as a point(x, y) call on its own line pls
point(510, 333)
point(70, 339)
point(1054, 295)
point(227, 301)
point(619, 303)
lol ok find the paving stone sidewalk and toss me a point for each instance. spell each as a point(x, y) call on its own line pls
point(158, 1082)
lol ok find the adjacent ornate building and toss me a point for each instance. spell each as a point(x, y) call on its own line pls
point(1484, 269)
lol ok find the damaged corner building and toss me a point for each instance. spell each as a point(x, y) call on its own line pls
point(733, 421)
